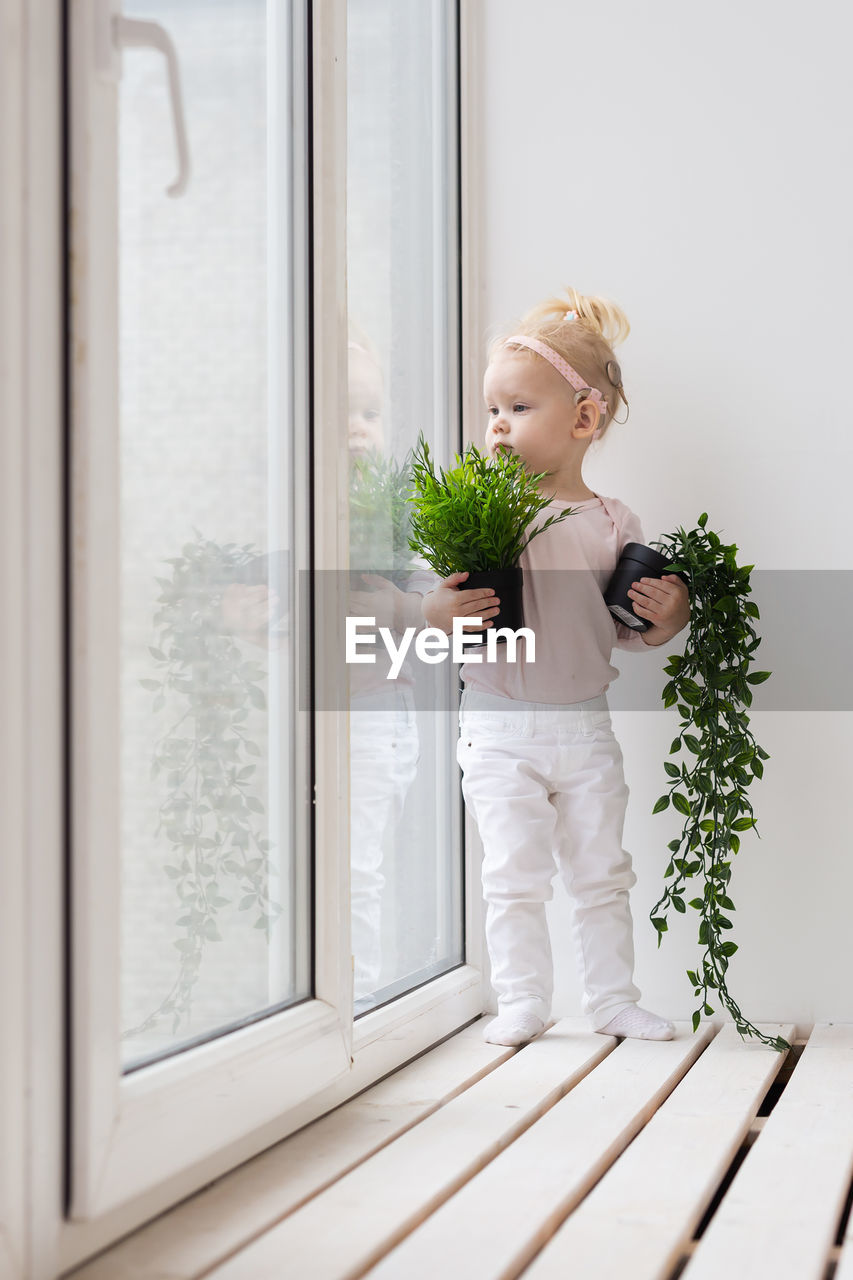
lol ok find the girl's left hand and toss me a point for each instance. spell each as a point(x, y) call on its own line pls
point(664, 602)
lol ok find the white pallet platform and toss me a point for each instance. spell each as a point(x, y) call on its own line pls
point(577, 1155)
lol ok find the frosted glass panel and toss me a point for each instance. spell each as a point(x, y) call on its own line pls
point(215, 901)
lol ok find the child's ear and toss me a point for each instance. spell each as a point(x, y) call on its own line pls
point(587, 418)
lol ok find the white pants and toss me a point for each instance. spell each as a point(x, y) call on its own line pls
point(545, 783)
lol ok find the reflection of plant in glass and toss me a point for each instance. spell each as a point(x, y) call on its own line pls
point(379, 514)
point(710, 681)
point(209, 814)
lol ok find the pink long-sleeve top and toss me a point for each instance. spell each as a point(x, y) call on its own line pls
point(566, 570)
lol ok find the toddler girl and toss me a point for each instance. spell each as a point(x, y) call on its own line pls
point(542, 770)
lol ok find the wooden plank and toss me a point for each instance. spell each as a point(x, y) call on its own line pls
point(501, 1219)
point(641, 1216)
point(343, 1231)
point(780, 1215)
point(197, 1234)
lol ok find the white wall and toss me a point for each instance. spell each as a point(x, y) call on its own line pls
point(692, 164)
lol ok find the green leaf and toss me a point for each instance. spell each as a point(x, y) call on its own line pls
point(257, 697)
point(758, 677)
point(661, 804)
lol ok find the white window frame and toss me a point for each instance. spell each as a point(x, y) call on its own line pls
point(39, 1233)
point(14, 573)
point(126, 1165)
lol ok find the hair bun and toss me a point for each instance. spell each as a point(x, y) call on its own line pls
point(603, 316)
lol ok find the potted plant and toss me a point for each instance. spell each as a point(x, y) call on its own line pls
point(475, 518)
point(710, 683)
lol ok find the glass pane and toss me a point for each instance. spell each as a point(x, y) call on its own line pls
point(407, 915)
point(215, 874)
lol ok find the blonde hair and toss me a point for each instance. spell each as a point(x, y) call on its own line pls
point(586, 341)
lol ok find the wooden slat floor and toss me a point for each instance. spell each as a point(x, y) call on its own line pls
point(578, 1155)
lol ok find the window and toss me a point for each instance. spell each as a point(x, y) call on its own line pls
point(213, 149)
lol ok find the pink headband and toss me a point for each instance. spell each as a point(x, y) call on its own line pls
point(563, 367)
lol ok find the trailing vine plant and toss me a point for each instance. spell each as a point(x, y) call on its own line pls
point(209, 814)
point(710, 683)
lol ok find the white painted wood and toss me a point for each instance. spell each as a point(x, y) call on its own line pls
point(13, 616)
point(642, 1214)
point(333, 957)
point(425, 1017)
point(355, 1221)
point(471, 293)
point(32, 856)
point(498, 1221)
point(472, 210)
point(214, 1224)
point(780, 1215)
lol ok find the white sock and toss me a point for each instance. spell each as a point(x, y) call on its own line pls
point(513, 1028)
point(639, 1024)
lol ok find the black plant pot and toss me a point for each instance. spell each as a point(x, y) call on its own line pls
point(637, 561)
point(507, 584)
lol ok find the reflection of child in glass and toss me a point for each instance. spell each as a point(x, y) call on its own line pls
point(384, 749)
point(542, 769)
point(383, 726)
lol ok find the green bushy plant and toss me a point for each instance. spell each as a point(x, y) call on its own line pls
point(475, 516)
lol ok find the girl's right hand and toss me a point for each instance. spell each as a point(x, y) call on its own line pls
point(446, 602)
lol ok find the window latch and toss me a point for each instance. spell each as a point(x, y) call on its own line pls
point(116, 32)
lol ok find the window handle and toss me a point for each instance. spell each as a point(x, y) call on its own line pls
point(133, 33)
